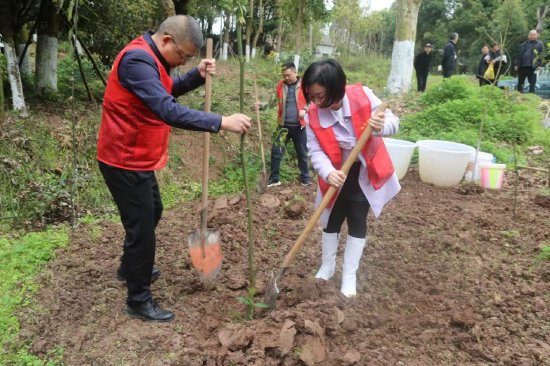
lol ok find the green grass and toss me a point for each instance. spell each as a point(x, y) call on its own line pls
point(21, 259)
point(454, 109)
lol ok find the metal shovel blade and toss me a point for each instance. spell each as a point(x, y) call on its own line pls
point(206, 253)
point(261, 182)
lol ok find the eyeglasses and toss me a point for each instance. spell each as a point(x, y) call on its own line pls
point(186, 57)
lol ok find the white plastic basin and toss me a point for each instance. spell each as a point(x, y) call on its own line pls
point(482, 158)
point(401, 152)
point(442, 163)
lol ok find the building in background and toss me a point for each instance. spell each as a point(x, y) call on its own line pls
point(325, 48)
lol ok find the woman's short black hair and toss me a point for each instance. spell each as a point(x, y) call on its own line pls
point(328, 74)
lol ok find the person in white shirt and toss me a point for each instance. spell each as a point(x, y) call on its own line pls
point(337, 115)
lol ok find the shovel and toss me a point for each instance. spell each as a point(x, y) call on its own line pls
point(272, 290)
point(204, 245)
point(261, 184)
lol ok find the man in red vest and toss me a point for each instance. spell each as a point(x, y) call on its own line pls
point(290, 118)
point(139, 108)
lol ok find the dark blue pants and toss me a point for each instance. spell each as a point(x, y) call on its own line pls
point(137, 196)
point(421, 80)
point(526, 72)
point(299, 138)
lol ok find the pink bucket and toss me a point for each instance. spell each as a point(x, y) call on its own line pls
point(492, 175)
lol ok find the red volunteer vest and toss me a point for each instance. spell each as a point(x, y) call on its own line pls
point(131, 136)
point(300, 101)
point(379, 165)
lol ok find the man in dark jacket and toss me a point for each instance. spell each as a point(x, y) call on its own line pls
point(448, 63)
point(422, 63)
point(529, 59)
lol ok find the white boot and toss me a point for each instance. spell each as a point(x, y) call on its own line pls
point(329, 248)
point(352, 257)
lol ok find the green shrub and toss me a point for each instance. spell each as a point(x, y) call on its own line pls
point(455, 109)
point(449, 89)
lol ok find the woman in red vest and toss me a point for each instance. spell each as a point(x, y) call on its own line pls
point(337, 116)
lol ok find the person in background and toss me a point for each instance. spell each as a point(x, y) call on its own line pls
point(290, 119)
point(498, 60)
point(483, 64)
point(448, 63)
point(422, 63)
point(139, 107)
point(529, 60)
point(336, 118)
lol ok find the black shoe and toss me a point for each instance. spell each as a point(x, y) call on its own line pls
point(155, 274)
point(150, 311)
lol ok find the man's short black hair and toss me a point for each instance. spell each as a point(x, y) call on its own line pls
point(288, 65)
point(328, 74)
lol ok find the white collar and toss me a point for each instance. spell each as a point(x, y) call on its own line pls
point(328, 117)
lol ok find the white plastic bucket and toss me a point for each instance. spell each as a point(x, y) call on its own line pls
point(401, 152)
point(482, 158)
point(492, 175)
point(442, 163)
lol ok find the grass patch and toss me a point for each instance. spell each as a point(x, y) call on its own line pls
point(20, 260)
point(454, 109)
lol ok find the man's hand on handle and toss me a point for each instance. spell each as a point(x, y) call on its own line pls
point(238, 123)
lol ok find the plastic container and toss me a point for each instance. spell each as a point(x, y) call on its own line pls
point(482, 158)
point(492, 175)
point(401, 152)
point(442, 163)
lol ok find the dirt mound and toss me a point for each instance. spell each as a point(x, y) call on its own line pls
point(447, 279)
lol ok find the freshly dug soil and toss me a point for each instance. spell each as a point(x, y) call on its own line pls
point(449, 277)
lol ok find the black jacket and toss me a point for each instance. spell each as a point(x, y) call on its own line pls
point(449, 56)
point(529, 47)
point(422, 63)
point(499, 65)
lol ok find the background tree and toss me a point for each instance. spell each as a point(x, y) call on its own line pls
point(106, 26)
point(249, 27)
point(260, 27)
point(48, 24)
point(7, 18)
point(400, 77)
point(347, 18)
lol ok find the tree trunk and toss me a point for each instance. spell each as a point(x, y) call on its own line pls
point(260, 27)
point(23, 57)
point(12, 66)
point(46, 47)
point(299, 22)
point(279, 26)
point(169, 8)
point(311, 37)
point(18, 99)
point(249, 28)
point(181, 6)
point(226, 29)
point(399, 81)
point(1, 90)
point(541, 14)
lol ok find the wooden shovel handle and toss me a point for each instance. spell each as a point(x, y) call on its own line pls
point(206, 145)
point(328, 196)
